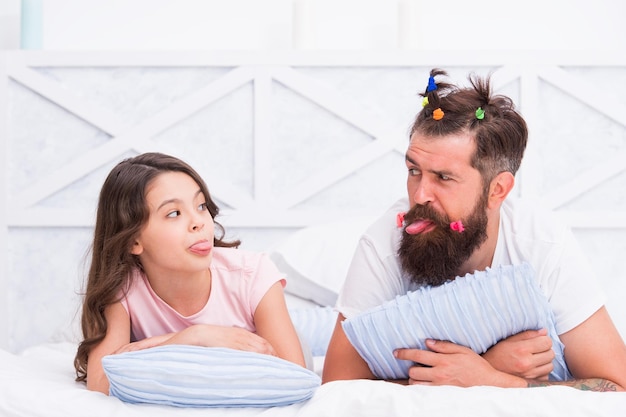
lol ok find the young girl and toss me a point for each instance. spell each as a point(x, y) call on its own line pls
point(160, 274)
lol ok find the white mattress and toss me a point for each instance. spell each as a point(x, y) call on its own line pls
point(40, 382)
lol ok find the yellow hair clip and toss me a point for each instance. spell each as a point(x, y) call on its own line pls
point(425, 102)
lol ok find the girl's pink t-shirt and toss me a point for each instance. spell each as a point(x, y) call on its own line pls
point(239, 280)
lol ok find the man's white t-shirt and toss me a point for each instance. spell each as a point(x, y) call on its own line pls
point(526, 234)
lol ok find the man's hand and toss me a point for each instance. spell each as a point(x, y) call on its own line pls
point(527, 354)
point(449, 364)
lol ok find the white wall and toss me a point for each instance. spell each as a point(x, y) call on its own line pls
point(314, 24)
point(55, 107)
point(9, 24)
point(283, 140)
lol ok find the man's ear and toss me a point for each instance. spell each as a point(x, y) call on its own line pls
point(499, 188)
point(137, 248)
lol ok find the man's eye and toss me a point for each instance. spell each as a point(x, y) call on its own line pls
point(414, 172)
point(174, 213)
point(444, 177)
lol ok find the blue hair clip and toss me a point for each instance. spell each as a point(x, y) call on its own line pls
point(431, 84)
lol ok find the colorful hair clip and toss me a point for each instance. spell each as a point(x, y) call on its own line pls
point(438, 114)
point(425, 102)
point(432, 85)
point(458, 226)
point(480, 113)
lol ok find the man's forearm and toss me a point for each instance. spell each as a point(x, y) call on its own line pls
point(590, 384)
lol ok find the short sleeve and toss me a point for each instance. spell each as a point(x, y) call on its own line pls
point(375, 274)
point(263, 273)
point(574, 290)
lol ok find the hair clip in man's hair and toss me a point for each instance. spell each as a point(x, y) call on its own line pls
point(425, 101)
point(438, 114)
point(432, 85)
point(480, 113)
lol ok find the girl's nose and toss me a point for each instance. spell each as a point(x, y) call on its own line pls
point(197, 226)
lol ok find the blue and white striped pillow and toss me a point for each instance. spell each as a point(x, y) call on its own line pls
point(315, 326)
point(194, 376)
point(476, 311)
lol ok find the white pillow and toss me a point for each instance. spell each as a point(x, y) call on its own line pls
point(194, 376)
point(316, 259)
point(476, 311)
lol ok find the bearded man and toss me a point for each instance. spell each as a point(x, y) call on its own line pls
point(465, 147)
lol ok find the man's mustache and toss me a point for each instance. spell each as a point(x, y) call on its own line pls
point(422, 212)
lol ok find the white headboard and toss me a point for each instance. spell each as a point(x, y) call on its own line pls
point(283, 141)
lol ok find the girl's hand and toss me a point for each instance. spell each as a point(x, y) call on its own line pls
point(237, 338)
point(144, 343)
point(208, 336)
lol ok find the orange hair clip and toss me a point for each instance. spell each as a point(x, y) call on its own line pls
point(438, 114)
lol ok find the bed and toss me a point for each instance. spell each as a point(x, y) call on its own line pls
point(66, 118)
point(39, 383)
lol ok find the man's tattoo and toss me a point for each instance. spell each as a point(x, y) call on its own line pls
point(591, 384)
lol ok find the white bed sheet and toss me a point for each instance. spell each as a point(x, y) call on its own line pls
point(40, 382)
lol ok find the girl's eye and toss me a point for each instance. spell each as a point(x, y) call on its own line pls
point(174, 213)
point(202, 207)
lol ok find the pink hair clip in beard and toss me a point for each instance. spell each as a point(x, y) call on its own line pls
point(400, 219)
point(458, 226)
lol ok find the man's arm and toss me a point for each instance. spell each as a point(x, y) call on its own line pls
point(594, 352)
point(527, 354)
point(342, 361)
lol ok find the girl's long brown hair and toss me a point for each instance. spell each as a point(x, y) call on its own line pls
point(121, 214)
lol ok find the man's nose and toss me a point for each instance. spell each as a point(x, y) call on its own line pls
point(422, 194)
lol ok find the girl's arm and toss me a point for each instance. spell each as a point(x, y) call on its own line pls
point(274, 324)
point(206, 335)
point(118, 334)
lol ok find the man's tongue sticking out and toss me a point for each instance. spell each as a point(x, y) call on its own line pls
point(420, 226)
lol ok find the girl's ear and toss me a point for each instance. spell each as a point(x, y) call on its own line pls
point(499, 188)
point(137, 249)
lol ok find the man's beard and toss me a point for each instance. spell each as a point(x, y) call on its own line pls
point(435, 257)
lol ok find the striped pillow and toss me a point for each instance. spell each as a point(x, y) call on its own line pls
point(194, 376)
point(476, 311)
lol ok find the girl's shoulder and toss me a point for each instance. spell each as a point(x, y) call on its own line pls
point(237, 259)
